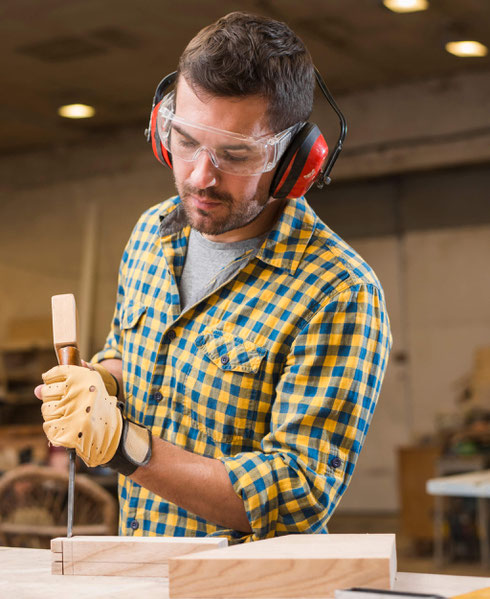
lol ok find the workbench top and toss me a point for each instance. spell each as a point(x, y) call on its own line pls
point(469, 484)
point(26, 574)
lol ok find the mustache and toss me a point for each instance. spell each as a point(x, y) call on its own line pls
point(209, 193)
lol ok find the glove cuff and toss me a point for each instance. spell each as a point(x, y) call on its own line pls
point(134, 449)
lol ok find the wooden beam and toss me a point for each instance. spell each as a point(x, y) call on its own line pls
point(289, 566)
point(123, 556)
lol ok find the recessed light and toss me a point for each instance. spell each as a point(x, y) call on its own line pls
point(466, 48)
point(406, 5)
point(76, 111)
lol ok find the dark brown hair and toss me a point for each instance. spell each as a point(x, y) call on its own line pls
point(242, 55)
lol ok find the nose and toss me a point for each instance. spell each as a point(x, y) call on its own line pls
point(203, 172)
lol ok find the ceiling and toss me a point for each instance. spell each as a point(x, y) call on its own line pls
point(112, 53)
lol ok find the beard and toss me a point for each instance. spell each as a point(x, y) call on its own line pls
point(231, 213)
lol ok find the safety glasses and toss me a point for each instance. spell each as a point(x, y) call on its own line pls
point(229, 152)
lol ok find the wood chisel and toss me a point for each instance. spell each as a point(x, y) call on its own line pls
point(65, 338)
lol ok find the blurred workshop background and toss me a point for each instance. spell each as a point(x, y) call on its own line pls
point(410, 192)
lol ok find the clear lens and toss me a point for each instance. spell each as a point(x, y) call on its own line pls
point(230, 152)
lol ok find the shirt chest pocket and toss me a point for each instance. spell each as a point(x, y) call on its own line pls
point(132, 324)
point(132, 321)
point(131, 314)
point(222, 385)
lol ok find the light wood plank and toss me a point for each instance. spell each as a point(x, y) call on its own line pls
point(124, 556)
point(289, 566)
point(132, 569)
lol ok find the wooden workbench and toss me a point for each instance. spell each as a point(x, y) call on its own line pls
point(26, 574)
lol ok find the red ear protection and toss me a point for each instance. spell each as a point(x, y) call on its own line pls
point(151, 133)
point(300, 164)
point(303, 163)
point(161, 153)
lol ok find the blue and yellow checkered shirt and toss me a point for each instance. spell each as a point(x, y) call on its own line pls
point(275, 373)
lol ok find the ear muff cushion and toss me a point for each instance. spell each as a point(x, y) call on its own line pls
point(300, 164)
point(159, 150)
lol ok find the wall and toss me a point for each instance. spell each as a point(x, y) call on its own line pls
point(44, 214)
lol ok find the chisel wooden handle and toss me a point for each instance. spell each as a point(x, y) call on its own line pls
point(65, 329)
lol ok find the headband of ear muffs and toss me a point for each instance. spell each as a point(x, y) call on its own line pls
point(302, 164)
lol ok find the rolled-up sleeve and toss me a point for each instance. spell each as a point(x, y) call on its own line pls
point(322, 409)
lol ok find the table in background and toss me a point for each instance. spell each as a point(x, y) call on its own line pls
point(471, 484)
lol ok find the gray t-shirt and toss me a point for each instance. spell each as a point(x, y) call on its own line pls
point(208, 264)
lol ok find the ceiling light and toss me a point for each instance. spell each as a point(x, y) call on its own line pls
point(76, 111)
point(466, 48)
point(406, 5)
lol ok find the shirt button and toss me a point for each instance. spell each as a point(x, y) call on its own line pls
point(134, 524)
point(170, 336)
point(157, 396)
point(336, 462)
point(225, 359)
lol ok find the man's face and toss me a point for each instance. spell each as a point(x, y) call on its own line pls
point(223, 206)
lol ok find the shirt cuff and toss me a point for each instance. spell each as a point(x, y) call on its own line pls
point(254, 480)
point(282, 494)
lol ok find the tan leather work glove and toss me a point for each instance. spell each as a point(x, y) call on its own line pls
point(110, 381)
point(80, 414)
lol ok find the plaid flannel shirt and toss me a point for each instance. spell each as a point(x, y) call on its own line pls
point(275, 372)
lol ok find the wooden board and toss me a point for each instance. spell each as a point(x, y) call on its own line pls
point(123, 556)
point(289, 566)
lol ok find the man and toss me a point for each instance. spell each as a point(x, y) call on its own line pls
point(249, 341)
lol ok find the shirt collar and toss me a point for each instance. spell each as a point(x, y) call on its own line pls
point(283, 247)
point(173, 219)
point(288, 239)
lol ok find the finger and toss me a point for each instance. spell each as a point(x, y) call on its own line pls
point(51, 410)
point(58, 435)
point(88, 365)
point(54, 391)
point(57, 373)
point(38, 391)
